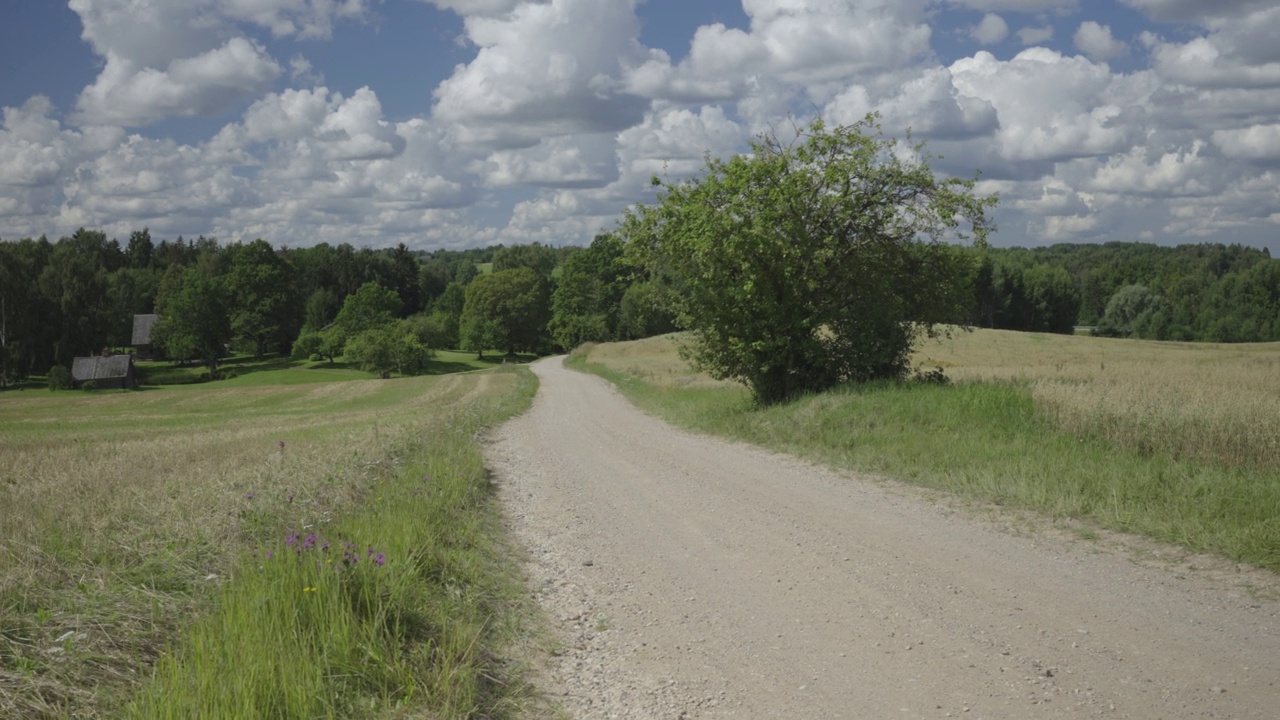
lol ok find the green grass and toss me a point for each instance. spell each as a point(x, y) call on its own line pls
point(248, 371)
point(989, 441)
point(315, 627)
point(134, 529)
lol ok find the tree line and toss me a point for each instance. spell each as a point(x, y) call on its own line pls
point(385, 309)
point(1208, 292)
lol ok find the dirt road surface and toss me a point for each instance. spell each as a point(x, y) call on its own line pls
point(689, 577)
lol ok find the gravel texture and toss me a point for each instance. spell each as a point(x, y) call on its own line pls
point(689, 577)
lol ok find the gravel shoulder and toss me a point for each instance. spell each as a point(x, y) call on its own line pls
point(691, 577)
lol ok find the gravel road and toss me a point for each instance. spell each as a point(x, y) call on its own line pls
point(690, 577)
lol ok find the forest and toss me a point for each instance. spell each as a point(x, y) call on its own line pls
point(386, 309)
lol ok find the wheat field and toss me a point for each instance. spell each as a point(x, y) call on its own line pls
point(1217, 403)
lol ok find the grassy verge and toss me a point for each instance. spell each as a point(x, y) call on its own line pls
point(268, 551)
point(986, 440)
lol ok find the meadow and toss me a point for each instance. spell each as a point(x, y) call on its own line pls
point(290, 542)
point(1170, 440)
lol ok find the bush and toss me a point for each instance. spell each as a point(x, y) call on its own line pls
point(812, 261)
point(59, 378)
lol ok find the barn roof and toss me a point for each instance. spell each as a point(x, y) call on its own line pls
point(100, 368)
point(142, 325)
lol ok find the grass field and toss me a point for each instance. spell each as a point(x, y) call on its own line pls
point(1173, 441)
point(245, 371)
point(265, 546)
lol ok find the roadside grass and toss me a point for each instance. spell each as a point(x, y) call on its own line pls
point(134, 538)
point(996, 440)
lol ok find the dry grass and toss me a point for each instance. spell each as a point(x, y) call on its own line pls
point(1215, 403)
point(656, 360)
point(121, 512)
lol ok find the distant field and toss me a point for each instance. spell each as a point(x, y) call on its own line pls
point(247, 371)
point(1218, 403)
point(1175, 441)
point(134, 527)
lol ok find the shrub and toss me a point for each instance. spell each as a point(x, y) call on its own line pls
point(59, 378)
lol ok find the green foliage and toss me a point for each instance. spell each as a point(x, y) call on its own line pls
point(1013, 296)
point(535, 256)
point(307, 345)
point(59, 378)
point(389, 348)
point(805, 264)
point(1209, 292)
point(1124, 310)
point(405, 278)
point(263, 300)
point(374, 351)
point(506, 309)
point(194, 323)
point(369, 307)
point(321, 308)
point(588, 296)
point(432, 331)
point(644, 311)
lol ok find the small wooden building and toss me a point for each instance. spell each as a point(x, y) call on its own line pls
point(108, 371)
point(142, 344)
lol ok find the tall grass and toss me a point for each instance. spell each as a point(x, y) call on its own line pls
point(135, 527)
point(1216, 403)
point(990, 440)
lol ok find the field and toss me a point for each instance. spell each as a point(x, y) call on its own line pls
point(1217, 403)
point(1174, 441)
point(265, 546)
point(245, 370)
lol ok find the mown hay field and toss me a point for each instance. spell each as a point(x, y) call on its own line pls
point(127, 518)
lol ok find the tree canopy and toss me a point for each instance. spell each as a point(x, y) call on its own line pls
point(812, 261)
point(505, 309)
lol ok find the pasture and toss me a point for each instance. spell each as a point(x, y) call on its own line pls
point(256, 547)
point(1170, 440)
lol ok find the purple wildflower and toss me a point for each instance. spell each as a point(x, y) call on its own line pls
point(380, 560)
point(248, 495)
point(310, 542)
point(291, 539)
point(369, 552)
point(270, 555)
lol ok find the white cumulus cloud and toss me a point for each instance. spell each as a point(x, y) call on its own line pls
point(1096, 41)
point(991, 30)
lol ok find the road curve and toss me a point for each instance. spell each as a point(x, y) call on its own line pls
point(692, 577)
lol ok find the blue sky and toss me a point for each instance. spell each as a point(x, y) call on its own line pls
point(453, 123)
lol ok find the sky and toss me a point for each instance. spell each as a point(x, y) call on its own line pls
point(464, 123)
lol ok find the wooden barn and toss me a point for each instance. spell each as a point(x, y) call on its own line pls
point(142, 345)
point(107, 371)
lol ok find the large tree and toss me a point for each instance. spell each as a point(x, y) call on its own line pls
point(588, 296)
point(264, 301)
point(505, 309)
point(812, 261)
point(194, 322)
